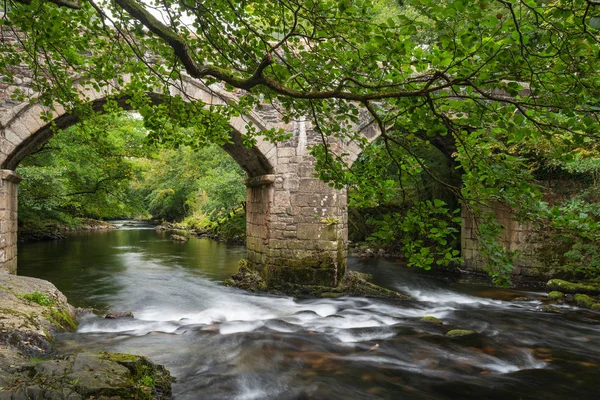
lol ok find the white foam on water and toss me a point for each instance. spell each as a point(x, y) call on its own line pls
point(128, 326)
point(446, 296)
point(228, 328)
point(348, 336)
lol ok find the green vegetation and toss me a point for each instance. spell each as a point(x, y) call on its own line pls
point(83, 172)
point(583, 300)
point(107, 168)
point(62, 319)
point(431, 320)
point(460, 333)
point(37, 297)
point(556, 296)
point(570, 287)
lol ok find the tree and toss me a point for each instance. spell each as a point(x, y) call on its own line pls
point(84, 171)
point(476, 79)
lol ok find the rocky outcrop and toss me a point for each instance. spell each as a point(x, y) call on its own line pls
point(32, 311)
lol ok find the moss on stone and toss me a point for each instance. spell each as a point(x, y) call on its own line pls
point(556, 296)
point(596, 307)
point(583, 300)
point(246, 279)
point(149, 380)
point(570, 287)
point(460, 333)
point(431, 320)
point(62, 319)
point(353, 284)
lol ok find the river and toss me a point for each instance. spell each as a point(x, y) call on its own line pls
point(223, 343)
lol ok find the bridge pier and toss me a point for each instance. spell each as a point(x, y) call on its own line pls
point(296, 224)
point(8, 220)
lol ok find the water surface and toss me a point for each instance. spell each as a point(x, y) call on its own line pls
point(223, 343)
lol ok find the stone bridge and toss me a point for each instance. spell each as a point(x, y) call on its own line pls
point(296, 224)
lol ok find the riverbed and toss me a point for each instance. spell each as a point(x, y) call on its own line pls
point(224, 343)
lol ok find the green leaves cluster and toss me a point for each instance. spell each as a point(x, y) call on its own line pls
point(84, 171)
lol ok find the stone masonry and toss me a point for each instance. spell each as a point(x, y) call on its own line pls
point(517, 236)
point(8, 220)
point(296, 224)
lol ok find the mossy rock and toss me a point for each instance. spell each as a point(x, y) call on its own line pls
point(570, 287)
point(431, 320)
point(246, 279)
point(460, 333)
point(583, 300)
point(549, 309)
point(596, 307)
point(556, 296)
point(353, 284)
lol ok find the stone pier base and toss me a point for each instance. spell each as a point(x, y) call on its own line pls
point(8, 221)
point(296, 225)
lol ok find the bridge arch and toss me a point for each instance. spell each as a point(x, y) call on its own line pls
point(296, 224)
point(24, 130)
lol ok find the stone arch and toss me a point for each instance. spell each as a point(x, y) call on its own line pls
point(23, 130)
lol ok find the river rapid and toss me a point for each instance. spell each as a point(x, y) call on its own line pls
point(224, 343)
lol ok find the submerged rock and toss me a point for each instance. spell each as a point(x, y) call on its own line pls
point(550, 309)
point(431, 320)
point(121, 314)
point(179, 238)
point(460, 333)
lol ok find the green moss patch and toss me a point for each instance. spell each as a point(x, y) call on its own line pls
point(556, 296)
point(37, 297)
point(62, 319)
point(583, 300)
point(431, 320)
point(353, 284)
point(570, 287)
point(460, 333)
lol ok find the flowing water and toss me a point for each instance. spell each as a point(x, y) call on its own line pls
point(223, 343)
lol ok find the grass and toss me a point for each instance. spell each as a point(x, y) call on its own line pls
point(37, 297)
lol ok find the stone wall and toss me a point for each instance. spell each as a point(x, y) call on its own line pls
point(296, 224)
point(8, 220)
point(517, 236)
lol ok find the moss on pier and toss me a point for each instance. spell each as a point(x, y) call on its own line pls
point(352, 284)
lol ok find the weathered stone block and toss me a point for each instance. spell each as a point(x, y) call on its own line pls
point(285, 152)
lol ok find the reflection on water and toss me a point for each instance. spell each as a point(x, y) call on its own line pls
point(223, 343)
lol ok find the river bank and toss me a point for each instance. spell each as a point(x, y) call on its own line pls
point(57, 231)
point(32, 312)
